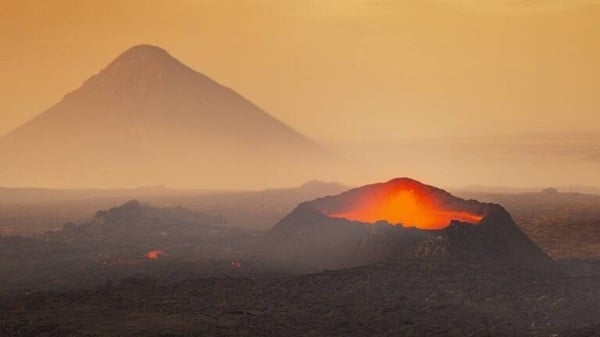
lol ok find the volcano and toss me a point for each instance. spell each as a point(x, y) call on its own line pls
point(148, 119)
point(401, 218)
point(403, 202)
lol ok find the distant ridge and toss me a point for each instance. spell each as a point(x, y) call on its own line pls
point(148, 119)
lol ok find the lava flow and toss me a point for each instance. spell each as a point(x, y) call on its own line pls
point(407, 203)
point(154, 254)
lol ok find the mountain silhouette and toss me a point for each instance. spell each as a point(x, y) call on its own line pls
point(149, 119)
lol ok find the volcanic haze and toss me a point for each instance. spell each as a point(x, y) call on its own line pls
point(148, 119)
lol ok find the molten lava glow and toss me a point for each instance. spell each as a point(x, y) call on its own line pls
point(405, 205)
point(154, 254)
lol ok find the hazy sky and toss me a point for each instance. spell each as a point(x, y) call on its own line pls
point(340, 71)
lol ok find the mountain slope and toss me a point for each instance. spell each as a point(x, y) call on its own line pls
point(149, 119)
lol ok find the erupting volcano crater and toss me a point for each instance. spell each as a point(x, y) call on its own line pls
point(399, 218)
point(403, 202)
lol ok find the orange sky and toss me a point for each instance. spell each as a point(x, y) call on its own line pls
point(340, 71)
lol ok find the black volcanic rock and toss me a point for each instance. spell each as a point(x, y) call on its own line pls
point(116, 243)
point(395, 298)
point(135, 224)
point(309, 235)
point(149, 119)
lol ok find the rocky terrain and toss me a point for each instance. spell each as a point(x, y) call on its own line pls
point(425, 297)
point(115, 244)
point(565, 225)
point(96, 278)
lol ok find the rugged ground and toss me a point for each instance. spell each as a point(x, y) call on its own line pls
point(564, 225)
point(207, 286)
point(395, 298)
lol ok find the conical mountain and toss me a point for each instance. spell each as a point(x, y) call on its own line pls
point(149, 119)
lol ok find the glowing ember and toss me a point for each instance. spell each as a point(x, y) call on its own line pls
point(407, 203)
point(154, 254)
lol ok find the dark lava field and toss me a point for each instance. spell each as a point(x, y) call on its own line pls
point(93, 279)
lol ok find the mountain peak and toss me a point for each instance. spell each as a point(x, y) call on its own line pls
point(145, 51)
point(144, 70)
point(138, 67)
point(146, 48)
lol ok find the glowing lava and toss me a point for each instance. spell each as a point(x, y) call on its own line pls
point(154, 254)
point(404, 202)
